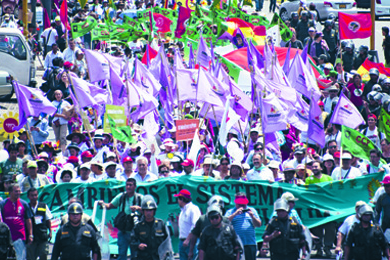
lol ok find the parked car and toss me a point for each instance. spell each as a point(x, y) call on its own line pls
point(16, 61)
point(323, 8)
point(382, 7)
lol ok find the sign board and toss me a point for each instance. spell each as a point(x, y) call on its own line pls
point(185, 129)
point(117, 113)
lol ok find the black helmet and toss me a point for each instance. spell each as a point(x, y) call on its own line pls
point(75, 208)
point(304, 13)
point(328, 23)
point(363, 48)
point(294, 14)
point(148, 202)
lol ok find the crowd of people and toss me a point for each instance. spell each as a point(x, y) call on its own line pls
point(87, 153)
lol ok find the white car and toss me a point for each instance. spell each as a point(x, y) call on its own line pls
point(323, 8)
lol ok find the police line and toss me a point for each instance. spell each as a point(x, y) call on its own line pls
point(317, 204)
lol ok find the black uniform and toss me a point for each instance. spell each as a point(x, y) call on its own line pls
point(302, 30)
point(75, 243)
point(6, 248)
point(219, 243)
point(152, 234)
point(366, 243)
point(40, 230)
point(359, 59)
point(331, 39)
point(286, 246)
point(348, 58)
point(204, 222)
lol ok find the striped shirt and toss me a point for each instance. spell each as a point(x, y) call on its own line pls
point(243, 225)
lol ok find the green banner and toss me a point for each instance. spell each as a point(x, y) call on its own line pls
point(384, 123)
point(317, 204)
point(357, 143)
point(80, 29)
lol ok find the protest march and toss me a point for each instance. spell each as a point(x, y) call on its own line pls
point(195, 130)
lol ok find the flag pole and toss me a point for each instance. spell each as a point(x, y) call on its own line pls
point(33, 148)
point(204, 118)
point(372, 38)
point(177, 94)
point(307, 137)
point(80, 112)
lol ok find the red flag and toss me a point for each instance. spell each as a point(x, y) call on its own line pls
point(162, 23)
point(355, 26)
point(184, 15)
point(152, 55)
point(64, 14)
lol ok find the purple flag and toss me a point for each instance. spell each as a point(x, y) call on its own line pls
point(211, 90)
point(114, 62)
point(256, 55)
point(147, 57)
point(271, 143)
point(187, 84)
point(226, 36)
point(286, 65)
point(203, 56)
point(212, 56)
point(147, 104)
point(178, 60)
point(82, 93)
point(273, 114)
point(345, 113)
point(98, 66)
point(300, 117)
point(191, 59)
point(304, 53)
point(229, 119)
point(143, 77)
point(316, 125)
point(301, 79)
point(118, 89)
point(32, 102)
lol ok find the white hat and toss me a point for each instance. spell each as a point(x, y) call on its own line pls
point(327, 157)
point(111, 154)
point(107, 164)
point(273, 164)
point(85, 165)
point(346, 156)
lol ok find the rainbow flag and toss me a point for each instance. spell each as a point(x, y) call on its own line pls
point(367, 65)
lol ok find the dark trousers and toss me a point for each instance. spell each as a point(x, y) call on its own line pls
point(250, 252)
point(272, 6)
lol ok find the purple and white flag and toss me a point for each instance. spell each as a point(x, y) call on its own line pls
point(187, 83)
point(210, 89)
point(345, 113)
point(316, 125)
point(273, 113)
point(229, 119)
point(98, 66)
point(32, 102)
point(300, 118)
point(301, 79)
point(143, 77)
point(203, 55)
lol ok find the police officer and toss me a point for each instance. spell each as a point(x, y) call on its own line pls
point(303, 26)
point(365, 240)
point(41, 225)
point(218, 240)
point(75, 240)
point(330, 36)
point(284, 234)
point(348, 56)
point(150, 233)
point(204, 222)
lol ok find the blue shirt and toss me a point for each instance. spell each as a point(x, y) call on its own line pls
point(39, 136)
point(243, 225)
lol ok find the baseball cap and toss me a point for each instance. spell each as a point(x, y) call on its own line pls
point(57, 19)
point(86, 154)
point(386, 180)
point(85, 166)
point(127, 159)
point(241, 199)
point(188, 162)
point(328, 157)
point(73, 159)
point(289, 196)
point(32, 164)
point(184, 193)
point(336, 155)
point(111, 154)
point(346, 156)
point(108, 164)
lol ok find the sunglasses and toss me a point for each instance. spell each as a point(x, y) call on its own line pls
point(164, 172)
point(224, 164)
point(214, 217)
point(332, 147)
point(180, 198)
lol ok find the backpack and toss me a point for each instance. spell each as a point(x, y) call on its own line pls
point(51, 82)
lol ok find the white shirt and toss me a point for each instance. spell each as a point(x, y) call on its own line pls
point(347, 224)
point(50, 56)
point(189, 214)
point(60, 109)
point(375, 136)
point(328, 104)
point(264, 174)
point(52, 38)
point(351, 173)
point(148, 177)
point(39, 219)
point(70, 55)
point(95, 177)
point(378, 193)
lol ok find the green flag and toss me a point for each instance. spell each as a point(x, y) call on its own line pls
point(384, 123)
point(357, 143)
point(285, 32)
point(79, 29)
point(122, 133)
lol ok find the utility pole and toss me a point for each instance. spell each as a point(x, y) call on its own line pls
point(372, 39)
